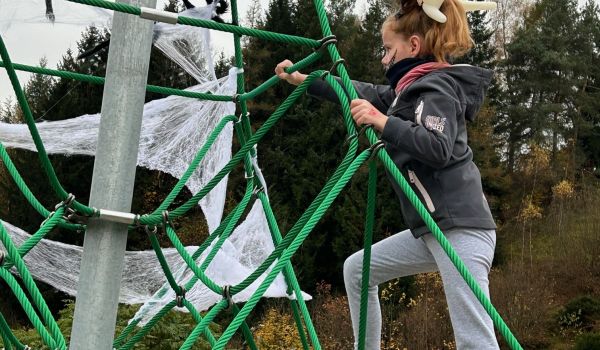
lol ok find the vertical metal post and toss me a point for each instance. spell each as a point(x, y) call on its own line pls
point(113, 180)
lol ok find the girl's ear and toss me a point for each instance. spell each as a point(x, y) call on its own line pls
point(415, 45)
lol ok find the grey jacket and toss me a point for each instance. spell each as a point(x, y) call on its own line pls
point(426, 137)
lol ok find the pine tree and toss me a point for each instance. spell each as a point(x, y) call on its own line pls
point(539, 79)
point(37, 91)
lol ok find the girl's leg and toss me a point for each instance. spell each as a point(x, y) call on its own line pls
point(396, 256)
point(473, 328)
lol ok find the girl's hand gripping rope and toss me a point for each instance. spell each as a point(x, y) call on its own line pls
point(364, 113)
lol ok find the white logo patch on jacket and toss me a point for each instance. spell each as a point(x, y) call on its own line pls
point(435, 123)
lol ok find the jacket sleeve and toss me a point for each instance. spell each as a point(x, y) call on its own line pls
point(381, 96)
point(430, 136)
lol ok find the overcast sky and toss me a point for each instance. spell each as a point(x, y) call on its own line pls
point(29, 36)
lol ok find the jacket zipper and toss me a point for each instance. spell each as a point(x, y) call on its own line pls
point(415, 180)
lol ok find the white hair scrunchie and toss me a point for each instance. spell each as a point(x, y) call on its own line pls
point(432, 8)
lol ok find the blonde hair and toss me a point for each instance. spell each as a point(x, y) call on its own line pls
point(442, 40)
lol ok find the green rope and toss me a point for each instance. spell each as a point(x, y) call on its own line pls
point(46, 165)
point(261, 34)
point(92, 79)
point(8, 338)
point(287, 254)
point(366, 264)
point(17, 260)
point(32, 241)
point(28, 308)
point(291, 280)
point(194, 164)
point(192, 202)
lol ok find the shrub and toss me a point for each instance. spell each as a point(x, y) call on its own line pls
point(588, 342)
point(579, 313)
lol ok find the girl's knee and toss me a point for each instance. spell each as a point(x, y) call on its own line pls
point(353, 266)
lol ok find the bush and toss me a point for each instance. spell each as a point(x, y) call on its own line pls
point(579, 313)
point(588, 342)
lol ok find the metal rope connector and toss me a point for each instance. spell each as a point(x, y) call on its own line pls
point(227, 296)
point(67, 202)
point(236, 98)
point(357, 135)
point(239, 120)
point(326, 41)
point(166, 220)
point(180, 296)
point(376, 147)
point(257, 190)
point(336, 64)
point(150, 230)
point(47, 218)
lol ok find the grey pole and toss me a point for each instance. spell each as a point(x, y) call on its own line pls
point(113, 179)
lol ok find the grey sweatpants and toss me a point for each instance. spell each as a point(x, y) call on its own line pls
point(402, 255)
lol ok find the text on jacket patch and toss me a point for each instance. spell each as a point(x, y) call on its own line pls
point(435, 123)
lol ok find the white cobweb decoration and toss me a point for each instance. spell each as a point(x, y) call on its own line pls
point(173, 130)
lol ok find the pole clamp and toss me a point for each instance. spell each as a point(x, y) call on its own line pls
point(180, 296)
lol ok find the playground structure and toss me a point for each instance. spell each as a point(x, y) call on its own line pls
point(285, 246)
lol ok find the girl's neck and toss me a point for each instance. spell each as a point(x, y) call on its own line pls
point(400, 68)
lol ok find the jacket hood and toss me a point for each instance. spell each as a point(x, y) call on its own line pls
point(473, 83)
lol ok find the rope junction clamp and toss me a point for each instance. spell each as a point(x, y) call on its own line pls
point(336, 64)
point(326, 41)
point(376, 147)
point(227, 296)
point(158, 16)
point(47, 218)
point(150, 232)
point(67, 202)
point(257, 190)
point(180, 296)
point(166, 220)
point(241, 115)
point(358, 134)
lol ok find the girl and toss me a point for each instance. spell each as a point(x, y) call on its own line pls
point(422, 119)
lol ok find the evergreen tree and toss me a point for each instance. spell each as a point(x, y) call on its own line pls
point(37, 91)
point(586, 121)
point(539, 73)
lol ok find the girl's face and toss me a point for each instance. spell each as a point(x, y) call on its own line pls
point(397, 47)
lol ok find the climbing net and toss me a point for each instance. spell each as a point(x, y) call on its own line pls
point(278, 260)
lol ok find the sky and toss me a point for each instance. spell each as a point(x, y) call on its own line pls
point(29, 36)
